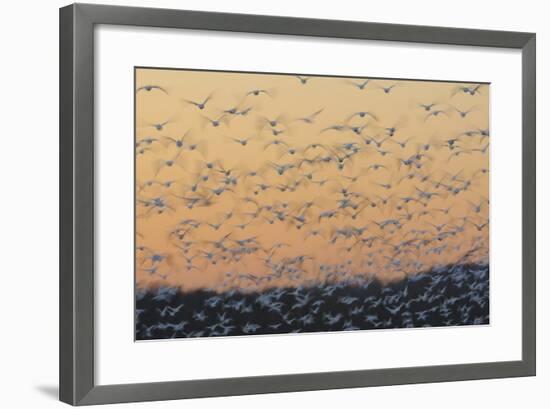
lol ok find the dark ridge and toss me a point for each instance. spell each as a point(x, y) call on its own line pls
point(447, 296)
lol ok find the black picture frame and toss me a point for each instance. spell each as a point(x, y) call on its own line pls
point(77, 384)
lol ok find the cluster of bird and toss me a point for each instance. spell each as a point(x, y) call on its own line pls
point(450, 296)
point(369, 197)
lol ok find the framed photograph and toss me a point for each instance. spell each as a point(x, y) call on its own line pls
point(254, 204)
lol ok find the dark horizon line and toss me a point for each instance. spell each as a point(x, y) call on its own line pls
point(375, 278)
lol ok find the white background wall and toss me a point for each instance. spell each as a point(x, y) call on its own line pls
point(29, 199)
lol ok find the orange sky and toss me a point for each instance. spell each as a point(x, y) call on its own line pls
point(289, 99)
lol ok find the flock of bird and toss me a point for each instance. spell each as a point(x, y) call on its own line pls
point(263, 192)
point(450, 296)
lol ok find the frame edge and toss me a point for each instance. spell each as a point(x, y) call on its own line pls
point(76, 158)
point(529, 101)
point(66, 325)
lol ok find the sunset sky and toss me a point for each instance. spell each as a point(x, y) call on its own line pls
point(335, 99)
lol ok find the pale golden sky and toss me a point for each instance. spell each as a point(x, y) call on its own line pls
point(377, 160)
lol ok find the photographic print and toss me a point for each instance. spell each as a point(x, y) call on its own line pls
point(271, 203)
